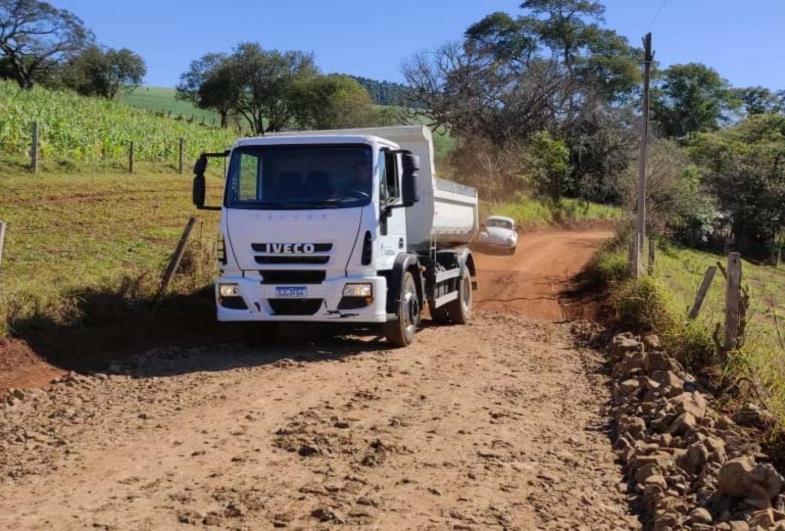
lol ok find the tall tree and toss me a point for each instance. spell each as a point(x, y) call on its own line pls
point(208, 84)
point(760, 100)
point(563, 25)
point(35, 35)
point(554, 69)
point(691, 98)
point(97, 72)
point(332, 102)
point(744, 166)
point(265, 79)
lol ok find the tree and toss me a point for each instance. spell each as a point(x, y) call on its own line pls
point(691, 98)
point(744, 166)
point(35, 35)
point(760, 100)
point(565, 27)
point(549, 164)
point(208, 84)
point(332, 102)
point(97, 72)
point(554, 69)
point(677, 205)
point(502, 37)
point(265, 79)
point(384, 92)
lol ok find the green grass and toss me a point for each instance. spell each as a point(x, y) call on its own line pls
point(762, 358)
point(163, 100)
point(101, 231)
point(80, 129)
point(662, 303)
point(534, 212)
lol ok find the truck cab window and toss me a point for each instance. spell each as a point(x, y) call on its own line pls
point(390, 180)
point(248, 178)
point(300, 176)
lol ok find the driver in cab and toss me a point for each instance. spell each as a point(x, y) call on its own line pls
point(361, 180)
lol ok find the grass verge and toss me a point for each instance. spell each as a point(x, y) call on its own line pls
point(74, 236)
point(532, 212)
point(660, 303)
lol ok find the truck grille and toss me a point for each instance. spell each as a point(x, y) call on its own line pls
point(284, 276)
point(317, 247)
point(292, 253)
point(295, 306)
point(308, 259)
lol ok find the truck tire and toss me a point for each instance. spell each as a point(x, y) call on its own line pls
point(400, 332)
point(458, 311)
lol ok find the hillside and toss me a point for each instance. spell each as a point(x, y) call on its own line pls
point(79, 129)
point(163, 100)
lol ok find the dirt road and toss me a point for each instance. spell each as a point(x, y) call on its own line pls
point(498, 424)
point(533, 281)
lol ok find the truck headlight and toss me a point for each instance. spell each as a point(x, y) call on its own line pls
point(358, 290)
point(228, 290)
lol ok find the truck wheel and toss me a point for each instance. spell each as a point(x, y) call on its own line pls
point(460, 309)
point(401, 331)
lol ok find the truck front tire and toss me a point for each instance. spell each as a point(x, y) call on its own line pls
point(400, 332)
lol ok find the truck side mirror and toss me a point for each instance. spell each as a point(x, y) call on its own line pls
point(199, 184)
point(201, 165)
point(198, 190)
point(409, 193)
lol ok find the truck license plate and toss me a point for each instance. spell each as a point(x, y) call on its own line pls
point(291, 291)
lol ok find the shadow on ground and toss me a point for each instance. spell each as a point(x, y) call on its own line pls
point(114, 329)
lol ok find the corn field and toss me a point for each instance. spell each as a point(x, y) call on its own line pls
point(76, 128)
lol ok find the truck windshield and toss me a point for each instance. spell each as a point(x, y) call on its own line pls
point(299, 177)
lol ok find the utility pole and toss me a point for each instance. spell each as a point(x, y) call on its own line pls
point(647, 61)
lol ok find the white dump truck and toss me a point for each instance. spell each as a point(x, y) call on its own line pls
point(342, 225)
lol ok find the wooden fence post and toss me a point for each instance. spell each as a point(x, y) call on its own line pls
point(34, 149)
point(708, 277)
point(2, 240)
point(174, 262)
point(733, 302)
point(131, 157)
point(635, 255)
point(182, 155)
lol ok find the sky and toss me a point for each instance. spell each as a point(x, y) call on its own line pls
point(741, 39)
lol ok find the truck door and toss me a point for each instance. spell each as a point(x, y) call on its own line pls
point(392, 225)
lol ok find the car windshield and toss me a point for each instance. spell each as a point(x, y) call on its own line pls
point(503, 224)
point(299, 177)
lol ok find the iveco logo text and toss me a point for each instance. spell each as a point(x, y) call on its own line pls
point(289, 248)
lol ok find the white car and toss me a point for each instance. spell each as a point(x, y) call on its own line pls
point(499, 232)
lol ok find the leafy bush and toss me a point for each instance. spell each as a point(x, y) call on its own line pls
point(644, 305)
point(692, 344)
point(743, 166)
point(675, 203)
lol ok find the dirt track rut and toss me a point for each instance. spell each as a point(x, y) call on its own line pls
point(498, 424)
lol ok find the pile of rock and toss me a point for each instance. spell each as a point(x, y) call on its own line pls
point(692, 467)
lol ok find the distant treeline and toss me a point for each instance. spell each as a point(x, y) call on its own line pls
point(384, 92)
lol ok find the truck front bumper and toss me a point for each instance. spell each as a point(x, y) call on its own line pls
point(323, 302)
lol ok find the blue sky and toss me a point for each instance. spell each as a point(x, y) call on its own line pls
point(361, 37)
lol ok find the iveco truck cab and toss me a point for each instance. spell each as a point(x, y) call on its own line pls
point(349, 226)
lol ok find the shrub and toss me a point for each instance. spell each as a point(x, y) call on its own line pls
point(609, 266)
point(644, 305)
point(692, 345)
